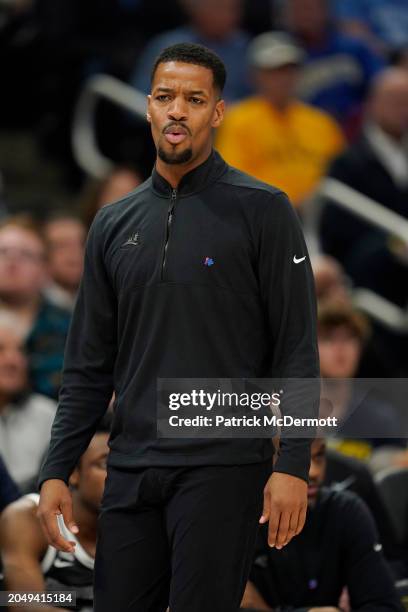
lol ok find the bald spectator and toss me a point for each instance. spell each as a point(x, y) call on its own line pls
point(273, 135)
point(376, 166)
point(23, 278)
point(25, 417)
point(214, 24)
point(338, 68)
point(65, 235)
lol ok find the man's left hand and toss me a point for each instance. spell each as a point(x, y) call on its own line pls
point(285, 505)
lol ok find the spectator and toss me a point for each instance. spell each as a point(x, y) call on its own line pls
point(365, 420)
point(23, 277)
point(100, 192)
point(338, 69)
point(29, 563)
point(25, 418)
point(272, 135)
point(338, 549)
point(349, 474)
point(65, 236)
point(214, 24)
point(376, 166)
point(382, 23)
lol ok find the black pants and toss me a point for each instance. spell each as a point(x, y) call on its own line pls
point(178, 537)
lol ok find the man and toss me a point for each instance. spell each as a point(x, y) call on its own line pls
point(287, 143)
point(65, 236)
point(376, 166)
point(25, 417)
point(23, 277)
point(366, 420)
point(29, 564)
point(214, 23)
point(193, 275)
point(337, 549)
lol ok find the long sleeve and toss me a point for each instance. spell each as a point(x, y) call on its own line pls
point(288, 291)
point(90, 354)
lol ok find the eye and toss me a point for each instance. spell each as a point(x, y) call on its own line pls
point(163, 97)
point(196, 100)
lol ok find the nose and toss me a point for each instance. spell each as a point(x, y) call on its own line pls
point(177, 110)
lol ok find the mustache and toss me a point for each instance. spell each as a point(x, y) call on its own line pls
point(177, 124)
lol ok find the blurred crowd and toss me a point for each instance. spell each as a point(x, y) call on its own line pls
point(316, 90)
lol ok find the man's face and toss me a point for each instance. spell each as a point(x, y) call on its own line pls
point(22, 264)
point(339, 351)
point(277, 85)
point(306, 17)
point(89, 476)
point(183, 109)
point(13, 362)
point(388, 106)
point(66, 239)
point(317, 469)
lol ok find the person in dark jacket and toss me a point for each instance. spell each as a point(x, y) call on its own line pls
point(337, 556)
point(201, 272)
point(376, 166)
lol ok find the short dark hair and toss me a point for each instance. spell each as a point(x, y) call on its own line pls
point(191, 53)
point(332, 315)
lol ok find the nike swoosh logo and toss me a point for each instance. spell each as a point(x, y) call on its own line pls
point(295, 260)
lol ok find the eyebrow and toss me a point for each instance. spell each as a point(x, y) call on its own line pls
point(191, 92)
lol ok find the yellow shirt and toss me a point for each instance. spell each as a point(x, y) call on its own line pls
point(289, 149)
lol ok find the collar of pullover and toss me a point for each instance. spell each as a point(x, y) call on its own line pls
point(195, 180)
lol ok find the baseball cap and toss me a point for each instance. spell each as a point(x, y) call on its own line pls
point(273, 50)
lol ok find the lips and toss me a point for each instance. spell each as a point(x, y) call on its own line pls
point(175, 134)
point(312, 490)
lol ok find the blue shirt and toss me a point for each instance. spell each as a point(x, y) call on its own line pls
point(388, 19)
point(337, 74)
point(232, 51)
point(45, 348)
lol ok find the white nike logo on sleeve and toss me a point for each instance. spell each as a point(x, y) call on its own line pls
point(295, 260)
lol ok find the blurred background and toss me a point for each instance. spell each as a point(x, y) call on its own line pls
point(317, 104)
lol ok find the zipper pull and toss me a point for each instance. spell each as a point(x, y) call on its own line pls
point(172, 203)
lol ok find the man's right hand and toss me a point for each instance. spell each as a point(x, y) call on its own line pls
point(55, 499)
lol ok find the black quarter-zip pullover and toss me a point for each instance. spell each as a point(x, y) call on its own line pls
point(198, 282)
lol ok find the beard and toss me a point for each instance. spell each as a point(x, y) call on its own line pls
point(175, 158)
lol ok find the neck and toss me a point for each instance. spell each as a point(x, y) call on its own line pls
point(173, 173)
point(86, 519)
point(20, 304)
point(339, 393)
point(71, 289)
point(281, 106)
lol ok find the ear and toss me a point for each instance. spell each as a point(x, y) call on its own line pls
point(218, 113)
point(74, 478)
point(148, 116)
